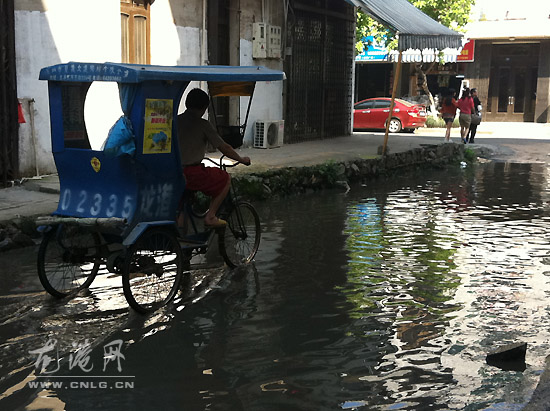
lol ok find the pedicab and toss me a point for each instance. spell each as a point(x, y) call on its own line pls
point(118, 205)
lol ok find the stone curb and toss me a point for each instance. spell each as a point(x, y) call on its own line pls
point(296, 180)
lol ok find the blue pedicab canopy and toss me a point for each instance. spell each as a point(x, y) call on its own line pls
point(137, 175)
point(137, 73)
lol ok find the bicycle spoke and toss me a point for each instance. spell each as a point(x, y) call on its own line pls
point(241, 238)
point(153, 270)
point(67, 259)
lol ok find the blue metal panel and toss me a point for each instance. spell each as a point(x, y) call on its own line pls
point(160, 180)
point(56, 117)
point(147, 186)
point(135, 73)
point(95, 185)
point(373, 51)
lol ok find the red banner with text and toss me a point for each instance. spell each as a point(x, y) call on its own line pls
point(467, 53)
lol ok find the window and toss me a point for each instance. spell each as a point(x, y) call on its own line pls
point(382, 104)
point(73, 96)
point(364, 105)
point(135, 31)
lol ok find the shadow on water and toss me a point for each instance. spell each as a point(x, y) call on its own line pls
point(388, 297)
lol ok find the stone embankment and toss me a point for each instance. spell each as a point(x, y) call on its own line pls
point(17, 234)
point(295, 180)
point(291, 180)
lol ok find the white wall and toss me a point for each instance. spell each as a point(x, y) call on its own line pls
point(499, 9)
point(171, 44)
point(66, 31)
point(267, 103)
point(60, 34)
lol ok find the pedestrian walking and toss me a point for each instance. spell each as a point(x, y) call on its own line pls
point(466, 106)
point(448, 112)
point(476, 117)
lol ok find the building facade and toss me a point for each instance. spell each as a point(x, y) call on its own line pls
point(162, 32)
point(512, 59)
point(319, 58)
point(314, 47)
point(510, 63)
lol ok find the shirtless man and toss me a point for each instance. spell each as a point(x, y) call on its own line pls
point(194, 133)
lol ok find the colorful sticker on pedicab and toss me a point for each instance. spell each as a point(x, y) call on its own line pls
point(157, 133)
point(96, 164)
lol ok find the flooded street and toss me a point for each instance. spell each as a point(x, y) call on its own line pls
point(387, 297)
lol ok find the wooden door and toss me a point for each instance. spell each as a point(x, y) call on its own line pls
point(512, 84)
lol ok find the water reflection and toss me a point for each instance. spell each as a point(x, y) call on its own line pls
point(388, 297)
point(400, 279)
point(453, 275)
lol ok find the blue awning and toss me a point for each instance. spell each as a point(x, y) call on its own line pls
point(415, 29)
point(136, 73)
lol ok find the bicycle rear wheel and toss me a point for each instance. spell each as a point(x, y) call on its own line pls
point(152, 270)
point(240, 239)
point(68, 259)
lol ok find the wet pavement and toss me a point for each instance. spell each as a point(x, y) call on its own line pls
point(391, 303)
point(391, 300)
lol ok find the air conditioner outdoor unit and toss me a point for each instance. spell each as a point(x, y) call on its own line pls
point(269, 134)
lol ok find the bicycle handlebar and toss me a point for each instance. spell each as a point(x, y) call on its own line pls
point(221, 164)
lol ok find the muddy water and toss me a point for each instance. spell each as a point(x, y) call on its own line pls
point(387, 297)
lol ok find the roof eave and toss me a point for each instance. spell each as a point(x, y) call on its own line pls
point(427, 41)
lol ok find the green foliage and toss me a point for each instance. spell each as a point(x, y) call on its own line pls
point(367, 26)
point(289, 180)
point(438, 122)
point(250, 187)
point(453, 14)
point(470, 155)
point(329, 172)
point(434, 122)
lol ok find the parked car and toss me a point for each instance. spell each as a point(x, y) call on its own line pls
point(372, 113)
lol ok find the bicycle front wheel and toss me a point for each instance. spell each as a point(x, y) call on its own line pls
point(241, 238)
point(152, 270)
point(68, 259)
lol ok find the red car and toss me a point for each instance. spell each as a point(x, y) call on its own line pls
point(373, 113)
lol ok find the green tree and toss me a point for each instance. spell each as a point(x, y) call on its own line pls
point(451, 13)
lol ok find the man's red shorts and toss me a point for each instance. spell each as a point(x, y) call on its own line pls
point(208, 180)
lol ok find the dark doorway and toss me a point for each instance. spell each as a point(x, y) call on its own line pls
point(9, 139)
point(218, 51)
point(319, 69)
point(513, 82)
point(373, 80)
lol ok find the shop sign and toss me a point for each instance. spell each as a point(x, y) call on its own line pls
point(467, 53)
point(373, 51)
